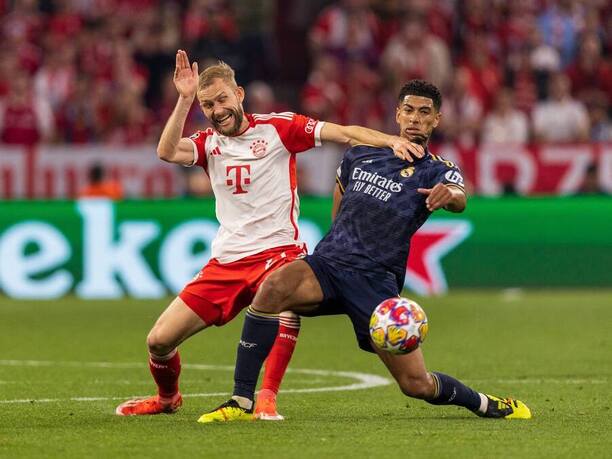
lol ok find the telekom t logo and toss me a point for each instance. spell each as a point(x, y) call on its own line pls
point(241, 177)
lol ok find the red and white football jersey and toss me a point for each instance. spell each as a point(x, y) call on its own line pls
point(253, 176)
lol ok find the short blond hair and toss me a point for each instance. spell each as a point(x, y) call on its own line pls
point(220, 70)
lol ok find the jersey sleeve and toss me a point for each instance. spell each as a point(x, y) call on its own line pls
point(198, 140)
point(446, 172)
point(299, 133)
point(343, 171)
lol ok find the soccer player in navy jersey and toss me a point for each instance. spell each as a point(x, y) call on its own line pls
point(380, 201)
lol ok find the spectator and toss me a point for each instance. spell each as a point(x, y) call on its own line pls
point(363, 104)
point(86, 57)
point(590, 73)
point(505, 124)
point(56, 77)
point(323, 95)
point(558, 25)
point(544, 58)
point(601, 125)
point(100, 186)
point(77, 120)
point(524, 81)
point(415, 53)
point(560, 118)
point(261, 99)
point(347, 29)
point(485, 75)
point(24, 118)
point(462, 111)
point(133, 121)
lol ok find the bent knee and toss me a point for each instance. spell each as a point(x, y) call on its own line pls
point(159, 342)
point(272, 295)
point(421, 387)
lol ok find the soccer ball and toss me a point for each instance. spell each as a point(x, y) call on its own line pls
point(398, 325)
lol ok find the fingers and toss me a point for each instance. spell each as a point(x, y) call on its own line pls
point(439, 197)
point(407, 150)
point(425, 191)
point(416, 150)
point(182, 61)
point(194, 68)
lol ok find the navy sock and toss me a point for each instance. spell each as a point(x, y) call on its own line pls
point(258, 334)
point(449, 391)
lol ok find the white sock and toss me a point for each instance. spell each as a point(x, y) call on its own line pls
point(484, 403)
point(243, 402)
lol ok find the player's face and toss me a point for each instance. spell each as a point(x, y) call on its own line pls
point(222, 105)
point(417, 118)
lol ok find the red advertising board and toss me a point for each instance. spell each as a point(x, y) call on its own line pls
point(60, 172)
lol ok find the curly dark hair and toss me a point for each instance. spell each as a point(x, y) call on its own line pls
point(422, 88)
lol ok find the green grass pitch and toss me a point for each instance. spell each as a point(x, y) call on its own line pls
point(66, 364)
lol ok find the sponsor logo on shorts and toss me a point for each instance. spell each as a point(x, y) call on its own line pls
point(247, 345)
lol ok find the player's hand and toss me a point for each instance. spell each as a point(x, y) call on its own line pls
point(185, 76)
point(437, 197)
point(407, 150)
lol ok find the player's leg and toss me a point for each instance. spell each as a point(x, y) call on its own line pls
point(177, 323)
point(276, 365)
point(292, 287)
point(282, 350)
point(440, 389)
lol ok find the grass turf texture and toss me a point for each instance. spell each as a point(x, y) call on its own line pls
point(550, 349)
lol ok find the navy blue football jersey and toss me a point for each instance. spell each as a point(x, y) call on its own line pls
point(381, 208)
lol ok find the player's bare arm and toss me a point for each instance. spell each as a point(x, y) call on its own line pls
point(355, 135)
point(449, 197)
point(171, 147)
point(336, 202)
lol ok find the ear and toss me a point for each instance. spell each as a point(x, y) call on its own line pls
point(397, 115)
point(240, 93)
point(437, 119)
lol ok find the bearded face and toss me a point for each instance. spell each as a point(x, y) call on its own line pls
point(228, 121)
point(221, 103)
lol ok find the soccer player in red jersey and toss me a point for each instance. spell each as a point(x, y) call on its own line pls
point(251, 162)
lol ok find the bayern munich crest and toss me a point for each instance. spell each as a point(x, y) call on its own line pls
point(259, 148)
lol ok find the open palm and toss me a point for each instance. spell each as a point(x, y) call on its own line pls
point(185, 75)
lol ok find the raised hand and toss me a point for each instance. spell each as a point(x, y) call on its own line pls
point(405, 149)
point(185, 76)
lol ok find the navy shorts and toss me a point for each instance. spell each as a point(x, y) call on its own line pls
point(352, 292)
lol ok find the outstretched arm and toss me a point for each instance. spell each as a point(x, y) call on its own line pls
point(355, 135)
point(171, 147)
point(449, 197)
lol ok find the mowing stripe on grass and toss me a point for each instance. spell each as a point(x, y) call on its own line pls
point(362, 380)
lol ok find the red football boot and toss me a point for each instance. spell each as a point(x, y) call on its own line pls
point(150, 405)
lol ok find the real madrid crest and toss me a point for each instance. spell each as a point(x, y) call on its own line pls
point(407, 172)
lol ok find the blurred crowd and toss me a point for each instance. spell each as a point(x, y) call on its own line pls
point(88, 71)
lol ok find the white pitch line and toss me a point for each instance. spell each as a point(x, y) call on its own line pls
point(363, 380)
